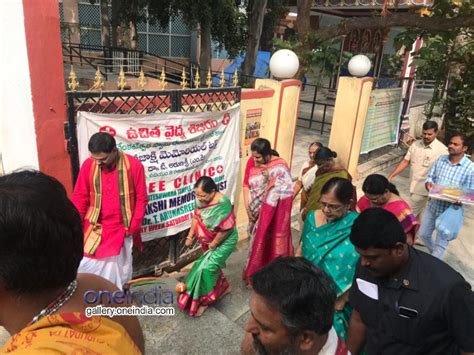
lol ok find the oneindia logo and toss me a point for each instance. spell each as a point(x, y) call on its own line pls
point(156, 296)
point(152, 300)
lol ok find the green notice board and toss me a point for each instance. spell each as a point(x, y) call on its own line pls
point(382, 120)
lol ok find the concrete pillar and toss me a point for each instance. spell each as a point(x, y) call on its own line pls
point(348, 121)
point(280, 129)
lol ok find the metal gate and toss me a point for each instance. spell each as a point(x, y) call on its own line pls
point(166, 253)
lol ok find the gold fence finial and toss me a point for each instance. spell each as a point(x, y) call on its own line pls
point(222, 81)
point(163, 82)
point(122, 82)
point(72, 83)
point(235, 79)
point(197, 79)
point(98, 80)
point(141, 82)
point(209, 78)
point(184, 82)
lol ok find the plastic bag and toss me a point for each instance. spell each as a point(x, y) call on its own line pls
point(449, 223)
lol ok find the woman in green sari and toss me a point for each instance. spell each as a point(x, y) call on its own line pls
point(327, 169)
point(214, 225)
point(325, 242)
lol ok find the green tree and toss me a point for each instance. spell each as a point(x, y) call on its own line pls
point(446, 57)
point(218, 20)
point(262, 18)
point(256, 14)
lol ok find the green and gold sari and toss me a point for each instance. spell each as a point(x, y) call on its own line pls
point(206, 283)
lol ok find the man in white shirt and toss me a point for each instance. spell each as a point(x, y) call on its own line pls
point(421, 157)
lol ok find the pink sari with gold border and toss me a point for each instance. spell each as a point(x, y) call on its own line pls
point(271, 192)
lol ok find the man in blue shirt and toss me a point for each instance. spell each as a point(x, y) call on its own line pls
point(454, 170)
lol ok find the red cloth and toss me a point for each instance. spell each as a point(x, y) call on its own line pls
point(341, 348)
point(248, 167)
point(271, 235)
point(363, 204)
point(399, 209)
point(113, 230)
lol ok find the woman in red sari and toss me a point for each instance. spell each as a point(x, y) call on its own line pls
point(268, 201)
point(379, 192)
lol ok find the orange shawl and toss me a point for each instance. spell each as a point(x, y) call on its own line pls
point(72, 333)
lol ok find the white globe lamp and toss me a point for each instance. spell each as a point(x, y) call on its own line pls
point(359, 65)
point(284, 64)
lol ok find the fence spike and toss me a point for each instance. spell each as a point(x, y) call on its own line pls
point(184, 82)
point(163, 82)
point(235, 80)
point(98, 80)
point(209, 78)
point(222, 81)
point(142, 82)
point(197, 79)
point(72, 83)
point(122, 82)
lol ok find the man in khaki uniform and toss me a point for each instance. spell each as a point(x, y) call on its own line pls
point(421, 157)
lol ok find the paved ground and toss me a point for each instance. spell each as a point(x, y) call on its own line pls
point(221, 328)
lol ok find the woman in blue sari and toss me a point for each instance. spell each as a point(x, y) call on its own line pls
point(325, 242)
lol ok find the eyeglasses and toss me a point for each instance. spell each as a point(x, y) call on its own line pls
point(330, 206)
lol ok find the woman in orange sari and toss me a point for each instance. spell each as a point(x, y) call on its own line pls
point(268, 206)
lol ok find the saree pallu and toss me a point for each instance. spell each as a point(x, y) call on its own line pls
point(322, 178)
point(399, 209)
point(72, 333)
point(270, 204)
point(307, 179)
point(329, 248)
point(206, 283)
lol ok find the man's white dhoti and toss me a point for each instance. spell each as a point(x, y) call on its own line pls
point(117, 269)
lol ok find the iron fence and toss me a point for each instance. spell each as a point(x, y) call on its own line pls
point(317, 107)
point(166, 253)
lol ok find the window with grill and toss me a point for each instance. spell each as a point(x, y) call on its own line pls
point(172, 41)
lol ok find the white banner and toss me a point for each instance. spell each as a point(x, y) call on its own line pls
point(175, 149)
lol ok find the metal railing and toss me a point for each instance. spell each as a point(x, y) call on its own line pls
point(425, 84)
point(319, 107)
point(113, 59)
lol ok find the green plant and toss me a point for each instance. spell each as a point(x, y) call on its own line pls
point(447, 57)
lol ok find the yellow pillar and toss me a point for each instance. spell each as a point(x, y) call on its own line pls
point(348, 121)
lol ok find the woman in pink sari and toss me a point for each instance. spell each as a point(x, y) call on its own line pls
point(379, 192)
point(268, 201)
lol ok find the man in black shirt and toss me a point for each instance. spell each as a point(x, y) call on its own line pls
point(405, 301)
